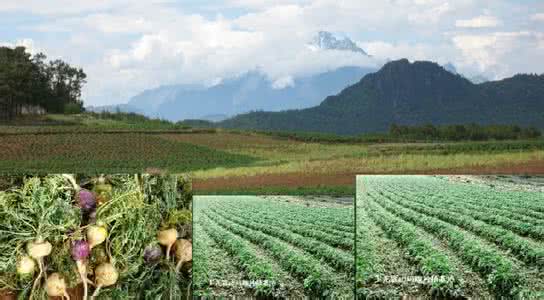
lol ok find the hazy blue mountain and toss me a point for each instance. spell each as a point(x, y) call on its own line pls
point(249, 92)
point(411, 94)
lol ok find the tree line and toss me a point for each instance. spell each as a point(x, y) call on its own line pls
point(31, 81)
point(459, 132)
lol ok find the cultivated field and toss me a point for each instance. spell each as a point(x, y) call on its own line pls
point(284, 246)
point(464, 236)
point(237, 162)
point(120, 152)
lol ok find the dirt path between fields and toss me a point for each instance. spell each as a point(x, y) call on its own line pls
point(343, 179)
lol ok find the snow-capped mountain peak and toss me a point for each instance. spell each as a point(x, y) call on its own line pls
point(327, 41)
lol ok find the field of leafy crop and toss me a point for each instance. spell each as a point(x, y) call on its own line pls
point(449, 236)
point(273, 246)
point(107, 153)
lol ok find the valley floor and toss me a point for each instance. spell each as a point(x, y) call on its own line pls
point(232, 162)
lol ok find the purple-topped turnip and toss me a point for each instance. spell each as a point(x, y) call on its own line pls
point(86, 200)
point(152, 253)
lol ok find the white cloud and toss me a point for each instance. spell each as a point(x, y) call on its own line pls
point(538, 17)
point(29, 44)
point(127, 46)
point(283, 82)
point(60, 7)
point(430, 15)
point(482, 21)
point(502, 54)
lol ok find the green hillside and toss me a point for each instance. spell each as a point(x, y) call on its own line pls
point(410, 94)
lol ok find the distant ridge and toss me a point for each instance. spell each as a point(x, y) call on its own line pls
point(247, 92)
point(410, 94)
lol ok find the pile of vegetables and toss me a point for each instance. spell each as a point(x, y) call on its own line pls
point(119, 236)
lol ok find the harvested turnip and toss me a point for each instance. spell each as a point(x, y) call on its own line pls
point(152, 253)
point(26, 266)
point(86, 200)
point(167, 238)
point(38, 249)
point(184, 252)
point(56, 286)
point(104, 275)
point(80, 252)
point(96, 235)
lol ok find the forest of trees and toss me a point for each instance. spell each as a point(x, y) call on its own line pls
point(32, 81)
point(471, 132)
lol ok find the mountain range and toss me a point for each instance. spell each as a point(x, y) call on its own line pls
point(249, 92)
point(408, 93)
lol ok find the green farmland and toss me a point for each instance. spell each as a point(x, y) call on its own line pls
point(481, 238)
point(287, 246)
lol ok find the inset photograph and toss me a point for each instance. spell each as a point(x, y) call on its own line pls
point(273, 247)
point(463, 237)
point(68, 236)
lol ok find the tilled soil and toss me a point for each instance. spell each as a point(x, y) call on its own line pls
point(343, 179)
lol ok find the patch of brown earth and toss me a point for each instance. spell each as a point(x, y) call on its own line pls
point(343, 179)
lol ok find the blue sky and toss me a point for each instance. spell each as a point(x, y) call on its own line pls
point(127, 46)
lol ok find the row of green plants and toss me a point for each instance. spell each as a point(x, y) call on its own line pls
point(255, 267)
point(521, 204)
point(499, 272)
point(527, 251)
point(430, 261)
point(478, 209)
point(337, 239)
point(366, 264)
point(332, 215)
point(306, 218)
point(202, 265)
point(423, 133)
point(317, 283)
point(490, 196)
point(340, 260)
point(519, 227)
point(127, 153)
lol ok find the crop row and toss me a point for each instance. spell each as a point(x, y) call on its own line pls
point(342, 240)
point(316, 281)
point(519, 214)
point(429, 260)
point(527, 251)
point(340, 260)
point(433, 191)
point(298, 218)
point(530, 201)
point(498, 271)
point(524, 229)
point(255, 267)
point(366, 260)
point(201, 266)
point(328, 214)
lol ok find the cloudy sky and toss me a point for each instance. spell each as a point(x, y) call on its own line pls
point(127, 46)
